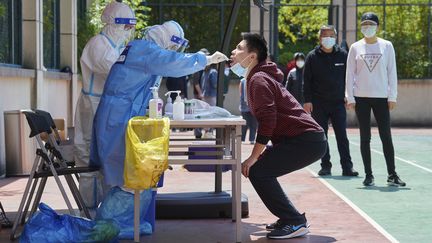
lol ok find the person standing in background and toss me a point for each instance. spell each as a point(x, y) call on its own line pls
point(324, 94)
point(197, 90)
point(294, 83)
point(196, 79)
point(209, 82)
point(371, 84)
point(251, 122)
point(179, 83)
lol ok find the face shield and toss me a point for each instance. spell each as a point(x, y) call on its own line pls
point(120, 21)
point(129, 26)
point(178, 44)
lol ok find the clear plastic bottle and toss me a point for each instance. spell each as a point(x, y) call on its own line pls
point(155, 104)
point(169, 105)
point(178, 107)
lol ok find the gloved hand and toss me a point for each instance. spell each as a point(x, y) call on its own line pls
point(217, 57)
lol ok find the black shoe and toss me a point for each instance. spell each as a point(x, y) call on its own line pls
point(394, 180)
point(274, 225)
point(324, 171)
point(369, 180)
point(350, 172)
point(289, 231)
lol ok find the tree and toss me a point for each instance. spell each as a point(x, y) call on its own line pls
point(299, 25)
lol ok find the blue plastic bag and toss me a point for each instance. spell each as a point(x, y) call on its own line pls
point(118, 205)
point(48, 226)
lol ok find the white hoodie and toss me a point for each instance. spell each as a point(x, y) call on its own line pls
point(371, 71)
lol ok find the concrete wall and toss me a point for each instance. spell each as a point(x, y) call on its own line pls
point(31, 85)
point(18, 91)
point(414, 105)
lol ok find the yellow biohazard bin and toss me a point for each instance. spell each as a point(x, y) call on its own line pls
point(147, 142)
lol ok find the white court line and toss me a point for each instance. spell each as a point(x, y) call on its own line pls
point(353, 206)
point(399, 158)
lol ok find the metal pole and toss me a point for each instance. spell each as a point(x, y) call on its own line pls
point(160, 12)
point(261, 22)
point(221, 77)
point(271, 30)
point(222, 16)
point(276, 29)
point(356, 23)
point(384, 18)
point(344, 20)
point(429, 38)
point(330, 14)
point(337, 20)
point(225, 49)
point(137, 216)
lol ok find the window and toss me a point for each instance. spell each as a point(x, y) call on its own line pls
point(51, 33)
point(10, 31)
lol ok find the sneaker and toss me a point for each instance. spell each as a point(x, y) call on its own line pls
point(324, 172)
point(394, 180)
point(350, 172)
point(289, 231)
point(274, 225)
point(369, 180)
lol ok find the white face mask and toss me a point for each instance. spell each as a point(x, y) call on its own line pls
point(328, 42)
point(300, 63)
point(239, 70)
point(369, 30)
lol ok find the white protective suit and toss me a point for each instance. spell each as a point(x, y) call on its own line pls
point(99, 54)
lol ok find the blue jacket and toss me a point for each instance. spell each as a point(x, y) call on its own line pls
point(209, 83)
point(243, 99)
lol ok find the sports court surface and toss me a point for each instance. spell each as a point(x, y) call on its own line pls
point(402, 213)
point(339, 209)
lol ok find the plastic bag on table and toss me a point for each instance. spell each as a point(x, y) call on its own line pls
point(118, 206)
point(202, 110)
point(48, 226)
point(146, 157)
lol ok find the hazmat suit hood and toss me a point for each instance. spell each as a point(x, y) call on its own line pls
point(169, 36)
point(115, 17)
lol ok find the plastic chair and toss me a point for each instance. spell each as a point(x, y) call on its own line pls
point(49, 162)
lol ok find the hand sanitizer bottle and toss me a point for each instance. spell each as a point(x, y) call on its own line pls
point(169, 105)
point(178, 107)
point(155, 104)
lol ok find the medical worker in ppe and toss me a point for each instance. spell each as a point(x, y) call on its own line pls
point(99, 54)
point(127, 90)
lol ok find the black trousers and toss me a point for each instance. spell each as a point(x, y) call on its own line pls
point(379, 106)
point(281, 159)
point(335, 111)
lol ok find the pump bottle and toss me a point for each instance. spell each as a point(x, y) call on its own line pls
point(178, 107)
point(169, 105)
point(155, 104)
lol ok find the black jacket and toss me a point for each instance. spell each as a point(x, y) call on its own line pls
point(294, 84)
point(324, 75)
